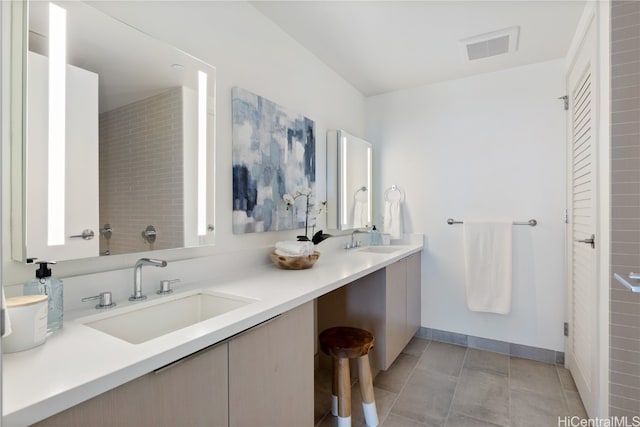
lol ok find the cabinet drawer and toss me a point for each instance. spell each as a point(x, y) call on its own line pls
point(192, 392)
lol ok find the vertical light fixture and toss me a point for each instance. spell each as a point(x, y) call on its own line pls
point(57, 124)
point(369, 184)
point(343, 180)
point(202, 153)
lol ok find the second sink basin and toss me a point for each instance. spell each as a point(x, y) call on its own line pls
point(159, 317)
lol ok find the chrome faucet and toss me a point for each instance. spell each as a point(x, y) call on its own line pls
point(353, 243)
point(137, 276)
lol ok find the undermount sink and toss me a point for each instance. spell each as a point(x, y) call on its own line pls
point(139, 323)
point(381, 249)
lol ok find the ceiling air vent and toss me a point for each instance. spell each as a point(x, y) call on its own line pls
point(490, 44)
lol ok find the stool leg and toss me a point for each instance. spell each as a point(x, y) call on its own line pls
point(344, 393)
point(366, 389)
point(334, 386)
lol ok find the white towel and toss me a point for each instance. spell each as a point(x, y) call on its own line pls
point(361, 209)
point(488, 265)
point(7, 320)
point(393, 219)
point(294, 248)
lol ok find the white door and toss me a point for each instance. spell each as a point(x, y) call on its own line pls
point(81, 157)
point(582, 342)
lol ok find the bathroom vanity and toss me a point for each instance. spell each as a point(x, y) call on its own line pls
point(254, 361)
point(250, 379)
point(385, 302)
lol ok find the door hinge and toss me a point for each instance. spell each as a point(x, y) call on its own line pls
point(566, 216)
point(566, 101)
point(566, 329)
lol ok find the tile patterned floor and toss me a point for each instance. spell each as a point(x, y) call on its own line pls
point(433, 384)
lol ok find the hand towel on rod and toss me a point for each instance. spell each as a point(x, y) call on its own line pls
point(361, 209)
point(393, 215)
point(488, 265)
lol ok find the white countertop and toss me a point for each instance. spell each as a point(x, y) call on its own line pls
point(81, 362)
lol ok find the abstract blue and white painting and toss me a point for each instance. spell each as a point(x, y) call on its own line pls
point(274, 153)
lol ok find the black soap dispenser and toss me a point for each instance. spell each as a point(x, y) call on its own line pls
point(46, 285)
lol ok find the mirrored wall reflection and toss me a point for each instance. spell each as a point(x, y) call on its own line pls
point(349, 180)
point(137, 139)
point(141, 173)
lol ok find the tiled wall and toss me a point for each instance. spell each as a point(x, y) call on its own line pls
point(624, 384)
point(141, 174)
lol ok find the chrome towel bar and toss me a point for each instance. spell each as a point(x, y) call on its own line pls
point(531, 222)
point(633, 288)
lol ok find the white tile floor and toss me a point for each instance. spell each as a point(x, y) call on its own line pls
point(437, 384)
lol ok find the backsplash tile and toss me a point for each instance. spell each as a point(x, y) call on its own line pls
point(449, 337)
point(512, 349)
point(489, 345)
point(533, 353)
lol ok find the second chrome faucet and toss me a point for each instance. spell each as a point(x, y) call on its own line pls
point(137, 276)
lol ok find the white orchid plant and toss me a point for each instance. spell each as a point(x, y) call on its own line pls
point(290, 201)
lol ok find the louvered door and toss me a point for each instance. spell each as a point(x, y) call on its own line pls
point(582, 261)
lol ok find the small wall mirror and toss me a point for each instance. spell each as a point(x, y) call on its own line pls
point(119, 130)
point(349, 179)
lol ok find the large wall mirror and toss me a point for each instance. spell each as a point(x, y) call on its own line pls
point(349, 178)
point(119, 130)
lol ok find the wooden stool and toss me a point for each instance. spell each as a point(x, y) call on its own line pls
point(343, 343)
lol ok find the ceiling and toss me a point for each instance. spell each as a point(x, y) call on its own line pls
point(384, 46)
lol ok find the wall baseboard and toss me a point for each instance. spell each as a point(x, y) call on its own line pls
point(511, 349)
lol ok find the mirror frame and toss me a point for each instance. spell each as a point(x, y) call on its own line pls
point(336, 171)
point(19, 30)
point(18, 205)
point(18, 111)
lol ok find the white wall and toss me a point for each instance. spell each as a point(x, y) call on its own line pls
point(486, 146)
point(248, 51)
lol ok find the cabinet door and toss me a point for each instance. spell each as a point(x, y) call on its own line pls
point(413, 264)
point(271, 372)
point(396, 311)
point(191, 392)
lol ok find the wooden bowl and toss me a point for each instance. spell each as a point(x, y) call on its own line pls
point(295, 262)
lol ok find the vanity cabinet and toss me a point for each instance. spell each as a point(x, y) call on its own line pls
point(260, 377)
point(271, 372)
point(189, 392)
point(385, 302)
point(414, 303)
